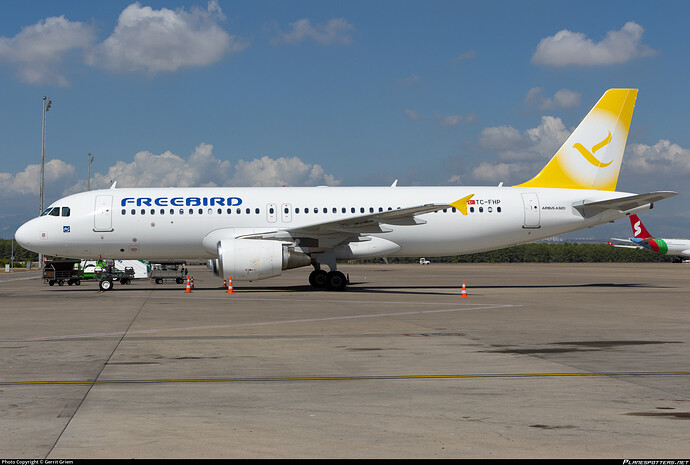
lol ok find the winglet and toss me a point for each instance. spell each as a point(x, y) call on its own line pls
point(461, 204)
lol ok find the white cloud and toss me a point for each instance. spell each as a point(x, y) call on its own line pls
point(663, 158)
point(203, 169)
point(497, 172)
point(408, 81)
point(567, 48)
point(454, 120)
point(56, 173)
point(38, 50)
point(165, 40)
point(266, 172)
point(564, 98)
point(466, 56)
point(413, 115)
point(520, 155)
point(335, 31)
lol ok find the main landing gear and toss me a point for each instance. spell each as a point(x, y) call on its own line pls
point(333, 280)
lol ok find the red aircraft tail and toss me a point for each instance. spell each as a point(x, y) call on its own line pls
point(639, 231)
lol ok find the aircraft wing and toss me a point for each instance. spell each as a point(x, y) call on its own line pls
point(331, 233)
point(623, 203)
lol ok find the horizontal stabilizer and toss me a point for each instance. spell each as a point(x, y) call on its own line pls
point(626, 203)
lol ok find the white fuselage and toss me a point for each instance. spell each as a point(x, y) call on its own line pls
point(160, 223)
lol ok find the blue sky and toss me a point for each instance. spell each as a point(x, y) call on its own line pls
point(334, 92)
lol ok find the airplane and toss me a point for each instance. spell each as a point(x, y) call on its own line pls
point(643, 240)
point(255, 233)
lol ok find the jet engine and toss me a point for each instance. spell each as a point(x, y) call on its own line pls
point(254, 259)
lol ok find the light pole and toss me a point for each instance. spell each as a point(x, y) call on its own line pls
point(88, 183)
point(46, 107)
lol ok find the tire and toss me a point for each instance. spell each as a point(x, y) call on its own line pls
point(105, 284)
point(336, 281)
point(159, 281)
point(179, 280)
point(318, 279)
point(51, 282)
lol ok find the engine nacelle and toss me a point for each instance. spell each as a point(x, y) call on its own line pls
point(253, 259)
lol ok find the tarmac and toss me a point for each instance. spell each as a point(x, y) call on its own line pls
point(587, 360)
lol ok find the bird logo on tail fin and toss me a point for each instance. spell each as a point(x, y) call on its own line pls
point(590, 156)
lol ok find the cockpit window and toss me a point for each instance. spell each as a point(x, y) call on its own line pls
point(55, 211)
point(65, 211)
point(46, 211)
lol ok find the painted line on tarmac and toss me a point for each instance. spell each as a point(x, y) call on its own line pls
point(349, 378)
point(262, 323)
point(18, 279)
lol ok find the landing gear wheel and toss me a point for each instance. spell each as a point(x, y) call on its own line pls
point(336, 281)
point(318, 279)
point(105, 284)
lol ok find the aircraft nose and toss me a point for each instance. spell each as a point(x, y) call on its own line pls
point(26, 235)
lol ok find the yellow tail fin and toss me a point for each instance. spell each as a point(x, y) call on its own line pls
point(591, 157)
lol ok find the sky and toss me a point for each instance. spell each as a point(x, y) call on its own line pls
point(341, 93)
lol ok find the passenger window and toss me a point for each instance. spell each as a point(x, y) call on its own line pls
point(133, 212)
point(124, 212)
point(153, 212)
point(361, 209)
point(471, 209)
point(162, 211)
point(380, 209)
point(287, 210)
point(270, 210)
point(371, 209)
point(490, 209)
point(256, 211)
point(498, 209)
point(65, 211)
point(453, 210)
point(172, 211)
point(220, 210)
point(352, 210)
point(316, 210)
point(181, 211)
point(325, 210)
point(306, 210)
point(229, 211)
point(248, 211)
point(481, 209)
point(143, 212)
point(191, 211)
point(335, 210)
point(238, 211)
point(296, 210)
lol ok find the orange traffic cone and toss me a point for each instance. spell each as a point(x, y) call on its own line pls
point(189, 287)
point(230, 291)
point(463, 295)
